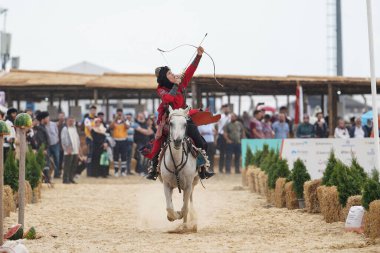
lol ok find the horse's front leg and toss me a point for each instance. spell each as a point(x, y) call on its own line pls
point(171, 214)
point(186, 199)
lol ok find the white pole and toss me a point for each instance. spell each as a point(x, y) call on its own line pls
point(373, 85)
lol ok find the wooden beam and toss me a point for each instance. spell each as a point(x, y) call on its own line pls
point(332, 108)
point(95, 96)
point(107, 109)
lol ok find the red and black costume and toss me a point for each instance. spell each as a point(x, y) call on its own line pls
point(173, 95)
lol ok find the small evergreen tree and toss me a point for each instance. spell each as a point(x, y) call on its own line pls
point(371, 192)
point(299, 176)
point(358, 172)
point(375, 175)
point(280, 169)
point(329, 169)
point(11, 171)
point(40, 157)
point(265, 153)
point(248, 156)
point(32, 169)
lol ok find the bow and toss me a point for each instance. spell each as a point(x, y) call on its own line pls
point(182, 45)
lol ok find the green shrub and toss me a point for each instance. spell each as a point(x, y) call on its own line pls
point(257, 158)
point(280, 169)
point(371, 192)
point(264, 153)
point(358, 172)
point(248, 156)
point(32, 169)
point(344, 179)
point(329, 169)
point(375, 175)
point(299, 176)
point(268, 161)
point(40, 157)
point(11, 171)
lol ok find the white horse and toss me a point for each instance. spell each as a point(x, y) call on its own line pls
point(178, 165)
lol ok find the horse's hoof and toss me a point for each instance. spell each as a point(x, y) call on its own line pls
point(170, 219)
point(180, 215)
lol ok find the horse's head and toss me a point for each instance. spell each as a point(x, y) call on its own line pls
point(178, 125)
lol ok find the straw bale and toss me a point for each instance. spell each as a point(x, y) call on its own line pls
point(372, 223)
point(8, 202)
point(271, 196)
point(249, 176)
point(310, 195)
point(330, 205)
point(280, 200)
point(263, 182)
point(28, 193)
point(351, 201)
point(290, 196)
point(256, 180)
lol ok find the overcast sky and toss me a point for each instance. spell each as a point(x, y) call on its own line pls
point(252, 37)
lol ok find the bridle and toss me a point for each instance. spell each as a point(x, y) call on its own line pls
point(184, 157)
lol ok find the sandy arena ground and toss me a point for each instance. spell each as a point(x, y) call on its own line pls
point(128, 215)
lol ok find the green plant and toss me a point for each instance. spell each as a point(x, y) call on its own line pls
point(329, 169)
point(32, 169)
point(257, 158)
point(40, 157)
point(11, 171)
point(299, 176)
point(280, 169)
point(268, 162)
point(375, 175)
point(249, 156)
point(371, 192)
point(344, 179)
point(265, 153)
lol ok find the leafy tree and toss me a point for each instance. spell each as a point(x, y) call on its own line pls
point(371, 192)
point(11, 171)
point(280, 169)
point(299, 176)
point(375, 175)
point(358, 172)
point(329, 169)
point(32, 169)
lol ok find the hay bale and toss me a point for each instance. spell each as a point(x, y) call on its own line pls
point(28, 193)
point(366, 223)
point(8, 203)
point(372, 224)
point(311, 196)
point(271, 196)
point(263, 182)
point(244, 179)
point(329, 204)
point(290, 196)
point(279, 193)
point(249, 176)
point(351, 201)
point(256, 179)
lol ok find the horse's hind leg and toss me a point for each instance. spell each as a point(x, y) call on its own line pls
point(171, 214)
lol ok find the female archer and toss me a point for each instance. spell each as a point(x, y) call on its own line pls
point(171, 89)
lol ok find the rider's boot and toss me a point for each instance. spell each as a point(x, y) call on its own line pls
point(152, 171)
point(203, 173)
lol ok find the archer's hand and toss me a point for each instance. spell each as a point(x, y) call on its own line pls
point(200, 50)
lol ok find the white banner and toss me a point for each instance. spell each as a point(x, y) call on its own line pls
point(315, 153)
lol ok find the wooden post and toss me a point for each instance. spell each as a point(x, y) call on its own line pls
point(95, 96)
point(1, 190)
point(323, 104)
point(139, 98)
point(21, 178)
point(51, 99)
point(194, 95)
point(108, 109)
point(239, 110)
point(59, 104)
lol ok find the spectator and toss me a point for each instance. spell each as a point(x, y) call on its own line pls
point(208, 132)
point(341, 130)
point(60, 124)
point(247, 124)
point(221, 142)
point(256, 125)
point(9, 140)
point(288, 119)
point(130, 134)
point(119, 127)
point(233, 133)
point(320, 127)
point(98, 134)
point(305, 129)
point(368, 127)
point(281, 127)
point(42, 140)
point(101, 117)
point(141, 138)
point(54, 145)
point(89, 123)
point(267, 127)
point(30, 112)
point(71, 148)
point(358, 131)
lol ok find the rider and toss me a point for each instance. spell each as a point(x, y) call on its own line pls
point(172, 89)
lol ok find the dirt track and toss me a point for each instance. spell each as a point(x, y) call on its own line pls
point(128, 215)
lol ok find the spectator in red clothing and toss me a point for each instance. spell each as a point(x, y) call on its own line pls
point(256, 125)
point(267, 127)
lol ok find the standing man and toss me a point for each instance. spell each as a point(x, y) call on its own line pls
point(288, 119)
point(54, 145)
point(42, 140)
point(256, 125)
point(358, 131)
point(119, 127)
point(208, 132)
point(281, 127)
point(320, 127)
point(89, 123)
point(267, 127)
point(233, 133)
point(10, 139)
point(71, 148)
point(341, 131)
point(221, 144)
point(130, 134)
point(60, 124)
point(305, 129)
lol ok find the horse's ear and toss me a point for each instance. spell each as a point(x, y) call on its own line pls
point(187, 110)
point(170, 109)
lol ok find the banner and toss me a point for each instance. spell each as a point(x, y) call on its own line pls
point(315, 153)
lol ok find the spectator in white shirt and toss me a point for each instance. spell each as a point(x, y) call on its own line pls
point(341, 131)
point(358, 131)
point(207, 132)
point(221, 144)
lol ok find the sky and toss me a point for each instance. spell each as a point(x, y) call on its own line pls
point(249, 37)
